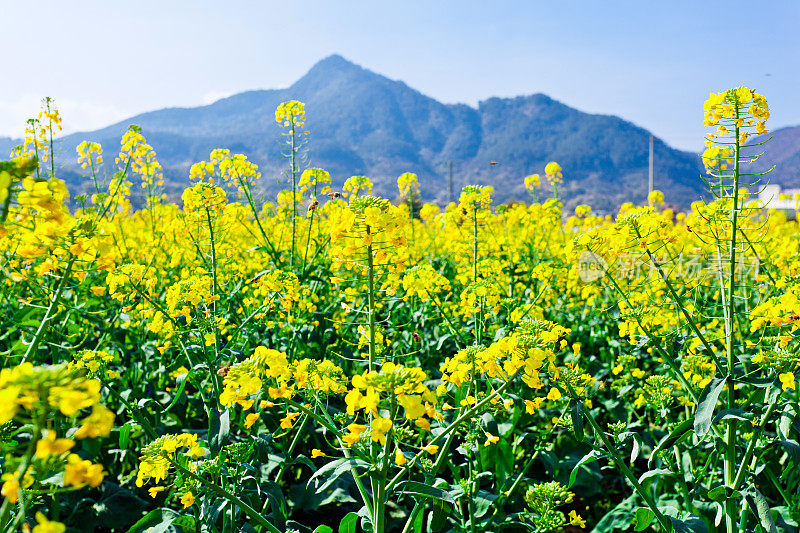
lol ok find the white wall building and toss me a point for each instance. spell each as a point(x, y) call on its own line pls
point(784, 200)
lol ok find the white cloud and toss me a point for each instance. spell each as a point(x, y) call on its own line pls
point(78, 115)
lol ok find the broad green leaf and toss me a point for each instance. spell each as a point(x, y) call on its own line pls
point(336, 469)
point(124, 436)
point(619, 518)
point(415, 488)
point(647, 476)
point(348, 523)
point(220, 427)
point(181, 382)
point(758, 503)
point(736, 414)
point(483, 502)
point(156, 521)
point(644, 517)
point(593, 455)
point(691, 524)
point(705, 409)
point(674, 437)
point(722, 493)
point(792, 447)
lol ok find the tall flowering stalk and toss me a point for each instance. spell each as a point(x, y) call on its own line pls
point(292, 115)
point(474, 203)
point(737, 114)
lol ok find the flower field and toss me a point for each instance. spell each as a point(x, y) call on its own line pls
point(332, 361)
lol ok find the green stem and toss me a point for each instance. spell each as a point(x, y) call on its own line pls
point(294, 189)
point(656, 344)
point(449, 429)
point(48, 314)
point(731, 507)
point(52, 152)
point(5, 510)
point(644, 494)
point(679, 303)
point(329, 424)
point(411, 517)
point(252, 513)
point(748, 454)
point(788, 499)
point(291, 449)
point(371, 303)
point(474, 244)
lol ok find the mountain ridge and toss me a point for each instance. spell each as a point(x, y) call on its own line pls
point(363, 123)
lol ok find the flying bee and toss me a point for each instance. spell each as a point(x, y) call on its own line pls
point(334, 195)
point(493, 163)
point(223, 370)
point(415, 336)
point(313, 205)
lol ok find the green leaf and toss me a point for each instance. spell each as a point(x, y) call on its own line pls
point(619, 517)
point(737, 414)
point(792, 448)
point(783, 517)
point(415, 488)
point(437, 519)
point(644, 517)
point(722, 493)
point(418, 520)
point(593, 455)
point(483, 502)
point(156, 521)
point(124, 436)
point(323, 529)
point(348, 523)
point(637, 443)
point(277, 502)
point(785, 424)
point(673, 438)
point(181, 382)
point(186, 523)
point(336, 469)
point(705, 409)
point(692, 524)
point(653, 473)
point(220, 427)
point(758, 503)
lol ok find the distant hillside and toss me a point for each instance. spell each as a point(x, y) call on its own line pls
point(363, 123)
point(782, 151)
point(6, 144)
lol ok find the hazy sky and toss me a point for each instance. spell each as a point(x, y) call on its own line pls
point(652, 63)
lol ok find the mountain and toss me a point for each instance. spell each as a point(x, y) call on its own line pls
point(783, 151)
point(362, 123)
point(6, 144)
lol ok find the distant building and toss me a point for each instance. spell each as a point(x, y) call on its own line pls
point(783, 200)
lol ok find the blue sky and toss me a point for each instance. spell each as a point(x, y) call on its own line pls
point(652, 63)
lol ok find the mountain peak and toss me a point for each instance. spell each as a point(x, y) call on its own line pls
point(335, 61)
point(364, 123)
point(329, 71)
point(333, 65)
